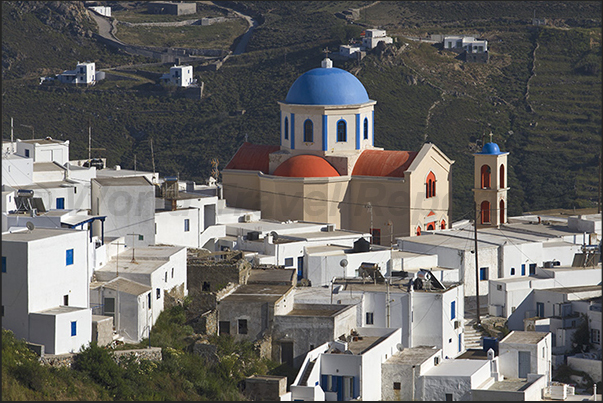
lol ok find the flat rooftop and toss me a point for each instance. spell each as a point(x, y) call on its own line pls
point(258, 293)
point(123, 181)
point(44, 141)
point(456, 368)
point(271, 275)
point(510, 385)
point(412, 356)
point(47, 167)
point(521, 337)
point(315, 310)
point(37, 234)
point(124, 285)
point(61, 309)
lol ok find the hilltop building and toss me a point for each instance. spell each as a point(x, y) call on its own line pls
point(327, 169)
point(181, 76)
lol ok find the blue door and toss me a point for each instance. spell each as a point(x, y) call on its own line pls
point(300, 267)
point(60, 203)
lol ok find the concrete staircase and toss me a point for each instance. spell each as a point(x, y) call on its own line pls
point(472, 337)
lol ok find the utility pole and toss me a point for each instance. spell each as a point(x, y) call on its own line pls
point(369, 206)
point(476, 266)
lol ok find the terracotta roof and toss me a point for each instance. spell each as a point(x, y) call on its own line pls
point(252, 157)
point(383, 163)
point(306, 166)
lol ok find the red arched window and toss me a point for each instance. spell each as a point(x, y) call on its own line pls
point(502, 211)
point(501, 179)
point(430, 226)
point(430, 189)
point(485, 212)
point(443, 225)
point(485, 176)
point(418, 230)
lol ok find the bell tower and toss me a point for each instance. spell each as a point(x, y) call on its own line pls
point(490, 185)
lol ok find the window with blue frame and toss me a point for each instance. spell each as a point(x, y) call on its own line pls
point(366, 128)
point(523, 269)
point(74, 328)
point(69, 257)
point(308, 131)
point(288, 261)
point(286, 128)
point(453, 310)
point(483, 273)
point(60, 203)
point(342, 134)
point(187, 225)
point(3, 264)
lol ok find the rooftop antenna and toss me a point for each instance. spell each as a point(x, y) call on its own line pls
point(89, 140)
point(30, 226)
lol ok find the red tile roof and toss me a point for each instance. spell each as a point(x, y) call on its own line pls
point(306, 166)
point(383, 163)
point(252, 157)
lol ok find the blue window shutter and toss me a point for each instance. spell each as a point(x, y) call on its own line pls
point(60, 203)
point(3, 264)
point(453, 310)
point(293, 131)
point(74, 328)
point(357, 131)
point(325, 139)
point(324, 382)
point(69, 257)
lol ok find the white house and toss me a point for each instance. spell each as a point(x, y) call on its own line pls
point(181, 76)
point(467, 43)
point(523, 353)
point(17, 170)
point(45, 288)
point(161, 269)
point(349, 50)
point(516, 300)
point(44, 150)
point(346, 370)
point(511, 251)
point(373, 36)
point(395, 304)
point(129, 205)
point(102, 10)
point(285, 243)
point(84, 73)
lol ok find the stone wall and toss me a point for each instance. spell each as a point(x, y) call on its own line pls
point(209, 275)
point(66, 360)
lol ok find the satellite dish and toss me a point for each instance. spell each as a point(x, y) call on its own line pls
point(30, 226)
point(274, 235)
point(399, 347)
point(343, 263)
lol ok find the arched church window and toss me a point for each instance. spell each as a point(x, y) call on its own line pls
point(366, 128)
point(502, 211)
point(418, 230)
point(443, 224)
point(501, 179)
point(430, 226)
point(485, 171)
point(485, 212)
point(430, 188)
point(286, 128)
point(308, 131)
point(342, 134)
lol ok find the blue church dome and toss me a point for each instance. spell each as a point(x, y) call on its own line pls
point(327, 86)
point(491, 149)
